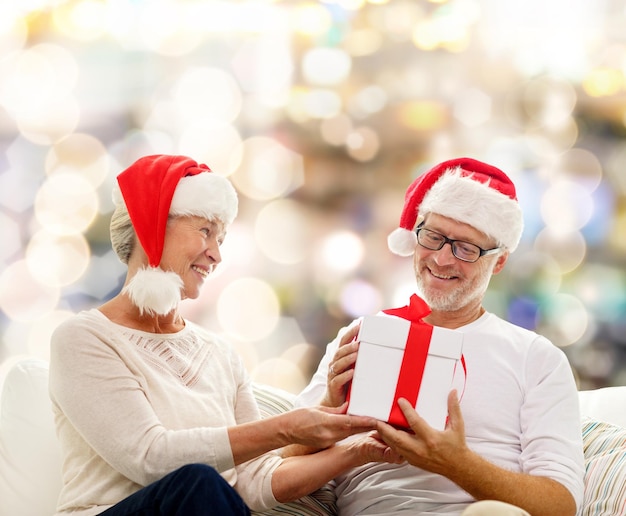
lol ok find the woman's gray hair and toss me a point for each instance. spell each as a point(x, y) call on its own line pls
point(122, 232)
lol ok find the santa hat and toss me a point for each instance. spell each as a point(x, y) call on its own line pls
point(466, 190)
point(153, 188)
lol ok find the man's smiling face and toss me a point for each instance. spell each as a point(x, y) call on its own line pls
point(445, 282)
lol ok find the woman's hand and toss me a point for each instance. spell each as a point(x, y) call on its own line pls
point(322, 427)
point(371, 448)
point(341, 369)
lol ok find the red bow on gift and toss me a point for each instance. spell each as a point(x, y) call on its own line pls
point(415, 311)
point(415, 355)
point(414, 358)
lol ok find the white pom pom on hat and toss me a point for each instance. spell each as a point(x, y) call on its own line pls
point(153, 188)
point(466, 190)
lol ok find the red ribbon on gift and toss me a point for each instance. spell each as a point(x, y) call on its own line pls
point(414, 358)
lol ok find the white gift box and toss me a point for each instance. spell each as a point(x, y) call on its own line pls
point(383, 340)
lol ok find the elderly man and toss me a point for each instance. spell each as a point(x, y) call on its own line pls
point(512, 444)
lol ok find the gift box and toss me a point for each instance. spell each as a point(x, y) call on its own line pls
point(403, 358)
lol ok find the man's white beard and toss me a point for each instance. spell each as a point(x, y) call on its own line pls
point(455, 299)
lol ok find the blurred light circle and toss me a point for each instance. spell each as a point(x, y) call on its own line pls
point(18, 187)
point(205, 93)
point(296, 109)
point(335, 130)
point(549, 101)
point(363, 144)
point(168, 28)
point(566, 206)
point(11, 240)
point(282, 233)
point(265, 70)
point(305, 356)
point(402, 292)
point(447, 30)
point(424, 115)
point(360, 297)
point(152, 138)
point(55, 260)
point(552, 142)
point(595, 362)
point(39, 335)
point(603, 289)
point(396, 20)
point(520, 310)
point(279, 373)
point(50, 123)
point(80, 154)
point(15, 338)
point(103, 277)
point(581, 166)
point(325, 66)
point(66, 204)
point(363, 42)
point(248, 351)
point(564, 319)
point(472, 107)
point(533, 274)
point(268, 169)
point(566, 249)
point(321, 103)
point(34, 80)
point(368, 101)
point(351, 5)
point(13, 32)
point(310, 19)
point(216, 143)
point(84, 20)
point(248, 308)
point(22, 297)
point(342, 251)
point(603, 82)
point(237, 248)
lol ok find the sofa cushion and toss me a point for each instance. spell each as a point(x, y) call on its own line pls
point(322, 502)
point(605, 404)
point(30, 459)
point(605, 468)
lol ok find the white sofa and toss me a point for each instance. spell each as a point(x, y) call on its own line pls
point(30, 459)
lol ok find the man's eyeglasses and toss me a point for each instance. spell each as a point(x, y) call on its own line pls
point(464, 251)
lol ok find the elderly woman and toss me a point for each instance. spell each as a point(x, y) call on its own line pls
point(156, 415)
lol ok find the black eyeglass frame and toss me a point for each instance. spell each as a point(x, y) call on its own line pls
point(445, 240)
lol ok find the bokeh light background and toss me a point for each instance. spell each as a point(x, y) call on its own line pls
point(321, 113)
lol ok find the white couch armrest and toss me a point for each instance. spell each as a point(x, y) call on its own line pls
point(606, 404)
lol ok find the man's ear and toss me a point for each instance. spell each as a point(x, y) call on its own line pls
point(502, 259)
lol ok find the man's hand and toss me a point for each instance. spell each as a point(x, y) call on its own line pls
point(341, 369)
point(429, 449)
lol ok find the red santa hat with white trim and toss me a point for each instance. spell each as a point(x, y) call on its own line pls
point(153, 188)
point(466, 190)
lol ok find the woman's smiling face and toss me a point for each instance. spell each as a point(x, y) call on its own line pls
point(192, 250)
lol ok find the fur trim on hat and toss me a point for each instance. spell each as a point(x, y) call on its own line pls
point(154, 290)
point(472, 202)
point(402, 241)
point(206, 195)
